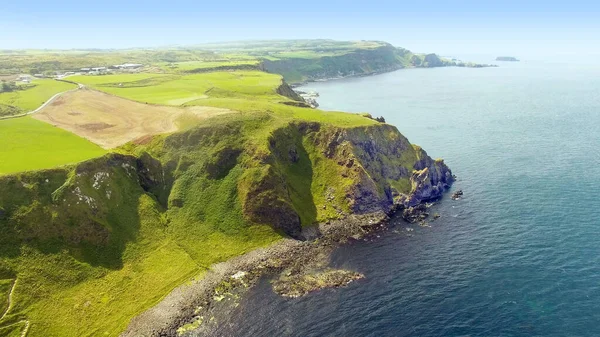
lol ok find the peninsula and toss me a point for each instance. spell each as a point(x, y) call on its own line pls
point(121, 195)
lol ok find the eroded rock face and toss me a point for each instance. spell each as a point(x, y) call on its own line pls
point(268, 202)
point(376, 157)
point(429, 181)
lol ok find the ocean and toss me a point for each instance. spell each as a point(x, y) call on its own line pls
point(519, 255)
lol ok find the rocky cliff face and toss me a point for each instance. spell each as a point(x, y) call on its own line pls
point(307, 173)
point(202, 196)
point(359, 62)
point(344, 171)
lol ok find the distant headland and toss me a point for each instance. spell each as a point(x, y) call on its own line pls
point(507, 59)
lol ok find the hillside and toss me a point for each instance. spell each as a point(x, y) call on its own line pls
point(90, 245)
point(86, 242)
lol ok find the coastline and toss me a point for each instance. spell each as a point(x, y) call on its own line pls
point(294, 85)
point(193, 302)
point(194, 308)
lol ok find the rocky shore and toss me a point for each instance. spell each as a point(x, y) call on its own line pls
point(191, 306)
point(197, 308)
point(367, 157)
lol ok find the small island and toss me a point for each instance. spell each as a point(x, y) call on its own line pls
point(507, 59)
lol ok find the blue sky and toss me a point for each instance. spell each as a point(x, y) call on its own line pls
point(446, 27)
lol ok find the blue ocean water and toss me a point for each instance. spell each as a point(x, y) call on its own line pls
point(519, 255)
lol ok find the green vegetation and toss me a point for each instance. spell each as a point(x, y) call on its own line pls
point(28, 144)
point(92, 239)
point(50, 61)
point(95, 243)
point(5, 286)
point(31, 96)
point(178, 90)
point(205, 66)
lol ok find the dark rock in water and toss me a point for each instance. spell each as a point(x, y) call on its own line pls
point(416, 213)
point(457, 195)
point(302, 284)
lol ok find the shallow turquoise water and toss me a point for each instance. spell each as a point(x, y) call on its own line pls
point(518, 256)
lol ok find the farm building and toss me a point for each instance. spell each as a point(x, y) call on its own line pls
point(128, 66)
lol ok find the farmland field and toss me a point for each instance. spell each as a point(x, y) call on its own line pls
point(110, 121)
point(191, 66)
point(28, 144)
point(178, 90)
point(243, 91)
point(30, 99)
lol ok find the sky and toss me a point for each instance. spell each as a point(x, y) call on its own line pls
point(522, 28)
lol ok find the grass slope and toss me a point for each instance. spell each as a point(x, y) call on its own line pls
point(20, 101)
point(27, 144)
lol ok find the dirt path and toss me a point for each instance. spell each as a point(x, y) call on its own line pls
point(10, 300)
point(10, 306)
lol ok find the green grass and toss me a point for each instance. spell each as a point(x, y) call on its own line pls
point(5, 286)
point(177, 90)
point(244, 91)
point(114, 79)
point(198, 66)
point(31, 98)
point(27, 144)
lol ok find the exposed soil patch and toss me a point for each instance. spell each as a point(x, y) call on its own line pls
point(111, 121)
point(58, 102)
point(95, 126)
point(143, 140)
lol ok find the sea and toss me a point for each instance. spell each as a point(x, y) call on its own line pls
point(518, 255)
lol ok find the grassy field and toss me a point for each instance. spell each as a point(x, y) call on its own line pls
point(27, 144)
point(200, 66)
point(178, 90)
point(21, 101)
point(50, 61)
point(244, 91)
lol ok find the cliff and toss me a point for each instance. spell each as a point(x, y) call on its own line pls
point(304, 173)
point(358, 62)
point(355, 63)
point(90, 240)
